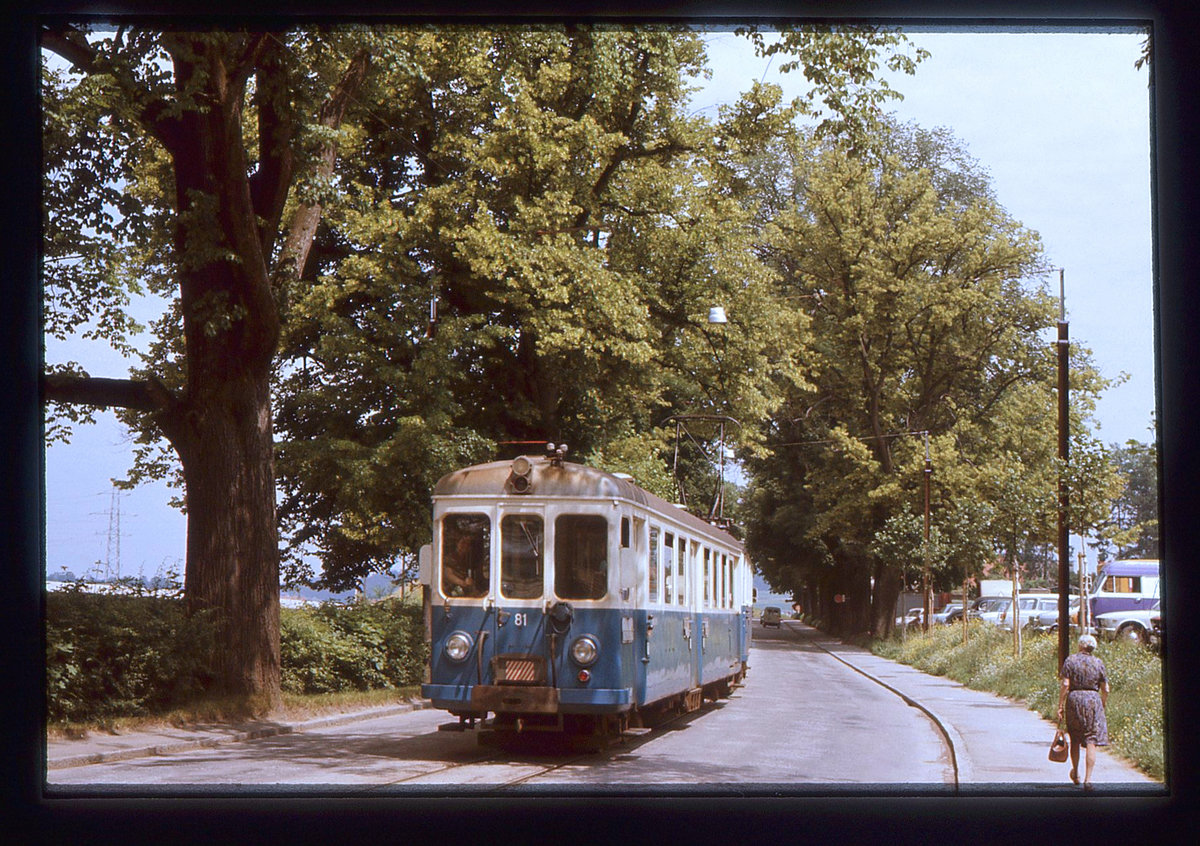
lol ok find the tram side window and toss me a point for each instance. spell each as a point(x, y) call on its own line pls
point(707, 583)
point(521, 556)
point(652, 566)
point(466, 546)
point(682, 569)
point(668, 567)
point(580, 556)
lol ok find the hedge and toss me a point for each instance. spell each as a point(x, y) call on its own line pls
point(111, 656)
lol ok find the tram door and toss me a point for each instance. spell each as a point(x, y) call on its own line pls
point(517, 628)
point(700, 572)
point(634, 541)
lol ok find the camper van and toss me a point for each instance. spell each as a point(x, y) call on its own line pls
point(1124, 586)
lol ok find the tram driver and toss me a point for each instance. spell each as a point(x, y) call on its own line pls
point(464, 570)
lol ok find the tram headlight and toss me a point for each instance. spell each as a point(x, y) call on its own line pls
point(458, 646)
point(585, 651)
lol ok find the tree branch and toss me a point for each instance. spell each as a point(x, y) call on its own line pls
point(304, 222)
point(70, 44)
point(150, 396)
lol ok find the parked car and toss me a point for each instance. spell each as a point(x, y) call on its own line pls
point(992, 609)
point(1033, 608)
point(1044, 618)
point(771, 616)
point(1127, 624)
point(956, 615)
point(1156, 631)
point(944, 615)
point(913, 618)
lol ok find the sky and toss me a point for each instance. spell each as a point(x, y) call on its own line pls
point(1061, 121)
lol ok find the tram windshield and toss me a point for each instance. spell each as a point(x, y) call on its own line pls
point(580, 556)
point(521, 556)
point(466, 545)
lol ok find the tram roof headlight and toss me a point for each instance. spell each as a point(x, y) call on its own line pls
point(585, 651)
point(521, 478)
point(457, 646)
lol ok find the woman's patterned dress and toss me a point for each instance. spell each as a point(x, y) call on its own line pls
point(1084, 711)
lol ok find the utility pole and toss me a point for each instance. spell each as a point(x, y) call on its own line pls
point(1064, 546)
point(925, 599)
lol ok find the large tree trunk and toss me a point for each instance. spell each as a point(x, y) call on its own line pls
point(232, 568)
point(226, 224)
point(887, 591)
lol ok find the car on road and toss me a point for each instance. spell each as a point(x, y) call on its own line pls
point(1127, 624)
point(771, 616)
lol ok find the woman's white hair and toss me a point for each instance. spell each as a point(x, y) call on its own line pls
point(1087, 642)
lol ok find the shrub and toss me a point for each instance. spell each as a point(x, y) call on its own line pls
point(362, 646)
point(110, 656)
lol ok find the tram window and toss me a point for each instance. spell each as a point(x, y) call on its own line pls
point(652, 565)
point(521, 556)
point(624, 533)
point(580, 556)
point(466, 546)
point(681, 593)
point(707, 582)
point(668, 567)
point(724, 581)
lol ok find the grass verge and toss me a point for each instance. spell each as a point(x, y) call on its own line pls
point(986, 662)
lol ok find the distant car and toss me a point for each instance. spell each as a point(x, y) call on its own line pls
point(912, 619)
point(1044, 618)
point(771, 616)
point(1156, 631)
point(1033, 609)
point(992, 609)
point(1127, 624)
point(946, 614)
point(956, 615)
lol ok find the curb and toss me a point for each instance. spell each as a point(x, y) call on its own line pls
point(84, 759)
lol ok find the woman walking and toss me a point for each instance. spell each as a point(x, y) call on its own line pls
point(1082, 698)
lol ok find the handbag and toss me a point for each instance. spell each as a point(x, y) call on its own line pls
point(1058, 747)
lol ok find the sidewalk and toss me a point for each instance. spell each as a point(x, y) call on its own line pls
point(101, 747)
point(996, 740)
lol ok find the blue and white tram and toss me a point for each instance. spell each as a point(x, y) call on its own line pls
point(564, 598)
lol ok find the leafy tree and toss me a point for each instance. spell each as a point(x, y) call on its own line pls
point(297, 194)
point(549, 194)
point(172, 162)
point(1135, 510)
point(924, 319)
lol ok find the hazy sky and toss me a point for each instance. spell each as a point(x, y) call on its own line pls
point(1060, 121)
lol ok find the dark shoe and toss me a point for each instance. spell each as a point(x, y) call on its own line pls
point(1074, 777)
